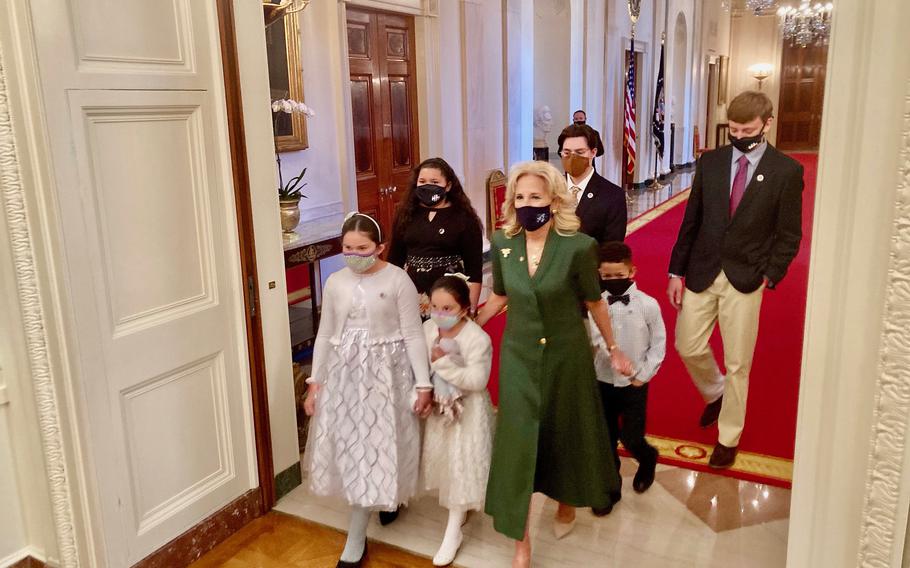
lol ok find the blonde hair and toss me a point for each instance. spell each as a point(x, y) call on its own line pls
point(564, 219)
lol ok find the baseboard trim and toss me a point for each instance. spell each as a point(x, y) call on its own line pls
point(680, 167)
point(24, 558)
point(206, 535)
point(287, 480)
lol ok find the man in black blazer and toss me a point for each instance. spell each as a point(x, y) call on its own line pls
point(600, 205)
point(741, 230)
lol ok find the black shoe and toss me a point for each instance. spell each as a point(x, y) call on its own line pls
point(615, 498)
point(711, 412)
point(722, 457)
point(388, 517)
point(357, 564)
point(644, 477)
point(602, 511)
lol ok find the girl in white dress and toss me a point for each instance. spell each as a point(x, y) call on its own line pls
point(370, 357)
point(458, 439)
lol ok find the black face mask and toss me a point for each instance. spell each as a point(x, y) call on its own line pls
point(533, 218)
point(579, 122)
point(431, 195)
point(616, 286)
point(747, 143)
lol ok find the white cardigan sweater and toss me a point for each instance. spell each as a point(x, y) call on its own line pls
point(393, 311)
point(473, 371)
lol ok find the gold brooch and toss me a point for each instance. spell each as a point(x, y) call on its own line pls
point(506, 253)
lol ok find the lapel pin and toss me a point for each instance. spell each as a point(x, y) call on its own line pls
point(506, 252)
point(590, 195)
point(761, 177)
point(442, 231)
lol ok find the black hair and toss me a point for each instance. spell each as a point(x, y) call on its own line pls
point(578, 130)
point(410, 204)
point(580, 111)
point(362, 224)
point(455, 286)
point(615, 251)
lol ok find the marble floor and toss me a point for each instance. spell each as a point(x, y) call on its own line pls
point(686, 519)
point(642, 200)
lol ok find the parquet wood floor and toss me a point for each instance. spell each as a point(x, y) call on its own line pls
point(277, 540)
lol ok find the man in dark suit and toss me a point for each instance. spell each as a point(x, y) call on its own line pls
point(741, 230)
point(600, 205)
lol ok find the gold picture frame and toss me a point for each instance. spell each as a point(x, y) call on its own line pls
point(723, 73)
point(496, 197)
point(286, 80)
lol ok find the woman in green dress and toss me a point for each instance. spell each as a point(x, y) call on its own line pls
point(551, 434)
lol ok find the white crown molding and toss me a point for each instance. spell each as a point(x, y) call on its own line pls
point(14, 207)
point(884, 515)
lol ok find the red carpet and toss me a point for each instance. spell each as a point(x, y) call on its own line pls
point(674, 403)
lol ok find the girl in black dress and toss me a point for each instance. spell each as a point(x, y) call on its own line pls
point(437, 231)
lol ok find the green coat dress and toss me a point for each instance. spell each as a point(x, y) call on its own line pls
point(551, 434)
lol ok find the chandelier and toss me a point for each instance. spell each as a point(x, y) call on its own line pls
point(806, 24)
point(759, 6)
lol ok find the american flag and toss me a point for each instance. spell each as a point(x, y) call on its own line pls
point(629, 125)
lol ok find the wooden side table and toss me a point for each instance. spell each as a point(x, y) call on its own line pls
point(317, 240)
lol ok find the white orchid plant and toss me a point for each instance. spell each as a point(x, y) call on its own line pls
point(291, 189)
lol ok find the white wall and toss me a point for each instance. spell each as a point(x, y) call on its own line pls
point(520, 80)
point(755, 39)
point(330, 188)
point(552, 59)
point(267, 228)
point(715, 39)
point(484, 104)
point(26, 520)
point(13, 539)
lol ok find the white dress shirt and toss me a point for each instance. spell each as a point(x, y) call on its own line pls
point(583, 185)
point(639, 332)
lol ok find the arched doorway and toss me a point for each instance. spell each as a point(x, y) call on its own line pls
point(679, 104)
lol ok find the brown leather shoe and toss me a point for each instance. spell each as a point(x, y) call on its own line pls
point(722, 457)
point(711, 412)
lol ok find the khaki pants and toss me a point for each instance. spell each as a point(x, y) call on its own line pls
point(737, 314)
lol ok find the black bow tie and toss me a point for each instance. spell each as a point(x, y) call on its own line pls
point(613, 299)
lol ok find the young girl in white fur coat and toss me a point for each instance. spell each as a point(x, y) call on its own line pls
point(458, 440)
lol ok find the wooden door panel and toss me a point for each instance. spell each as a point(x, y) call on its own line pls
point(384, 105)
point(801, 97)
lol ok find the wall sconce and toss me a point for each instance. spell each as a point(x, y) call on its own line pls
point(761, 71)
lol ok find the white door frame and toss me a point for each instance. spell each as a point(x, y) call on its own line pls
point(855, 391)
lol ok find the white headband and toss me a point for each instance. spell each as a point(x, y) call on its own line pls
point(378, 228)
